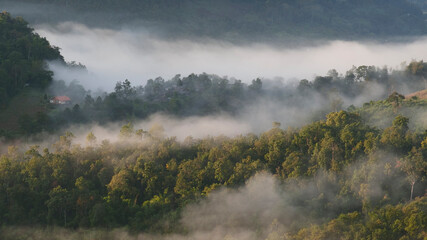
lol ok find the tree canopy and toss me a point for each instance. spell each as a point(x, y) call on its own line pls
point(22, 58)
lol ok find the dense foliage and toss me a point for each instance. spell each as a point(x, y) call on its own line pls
point(22, 66)
point(390, 222)
point(206, 94)
point(147, 178)
point(243, 19)
point(193, 95)
point(342, 177)
point(381, 113)
point(22, 56)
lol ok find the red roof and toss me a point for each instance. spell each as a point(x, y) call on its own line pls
point(62, 98)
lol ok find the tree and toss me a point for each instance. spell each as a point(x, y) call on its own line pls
point(123, 184)
point(396, 135)
point(304, 86)
point(124, 90)
point(366, 73)
point(140, 133)
point(414, 166)
point(91, 139)
point(295, 165)
point(126, 131)
point(64, 142)
point(322, 83)
point(395, 99)
point(157, 131)
point(256, 85)
point(58, 205)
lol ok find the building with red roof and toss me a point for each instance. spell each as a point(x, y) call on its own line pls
point(60, 100)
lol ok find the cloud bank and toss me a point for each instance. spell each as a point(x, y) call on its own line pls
point(137, 55)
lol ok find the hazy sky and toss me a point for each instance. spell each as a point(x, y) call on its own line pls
point(116, 55)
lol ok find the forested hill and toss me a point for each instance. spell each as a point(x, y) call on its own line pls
point(237, 19)
point(336, 178)
point(340, 177)
point(22, 58)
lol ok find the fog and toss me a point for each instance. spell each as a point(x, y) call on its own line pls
point(264, 208)
point(158, 125)
point(169, 126)
point(138, 55)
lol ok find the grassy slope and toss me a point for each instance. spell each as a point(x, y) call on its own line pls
point(381, 113)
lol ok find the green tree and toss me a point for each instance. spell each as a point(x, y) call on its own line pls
point(64, 142)
point(126, 131)
point(91, 139)
point(414, 166)
point(396, 135)
point(59, 204)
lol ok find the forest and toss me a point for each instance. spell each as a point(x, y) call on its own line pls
point(22, 56)
point(345, 172)
point(207, 94)
point(25, 78)
point(370, 183)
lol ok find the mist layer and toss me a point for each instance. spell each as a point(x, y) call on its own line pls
point(135, 54)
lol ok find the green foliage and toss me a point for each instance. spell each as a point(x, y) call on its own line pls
point(382, 113)
point(415, 167)
point(22, 58)
point(90, 138)
point(358, 190)
point(126, 131)
point(140, 183)
point(390, 222)
point(208, 94)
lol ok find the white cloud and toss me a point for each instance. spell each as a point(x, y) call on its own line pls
point(134, 54)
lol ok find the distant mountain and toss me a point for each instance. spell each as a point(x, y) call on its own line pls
point(240, 19)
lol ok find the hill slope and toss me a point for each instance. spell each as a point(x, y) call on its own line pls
point(23, 75)
point(22, 58)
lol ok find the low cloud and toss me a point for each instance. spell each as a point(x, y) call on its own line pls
point(196, 127)
point(137, 55)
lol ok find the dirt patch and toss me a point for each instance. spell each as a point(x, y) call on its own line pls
point(420, 94)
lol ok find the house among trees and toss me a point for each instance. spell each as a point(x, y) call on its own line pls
point(60, 100)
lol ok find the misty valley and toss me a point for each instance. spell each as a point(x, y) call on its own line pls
point(229, 119)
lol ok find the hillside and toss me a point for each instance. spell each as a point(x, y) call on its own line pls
point(331, 177)
point(26, 113)
point(381, 113)
point(23, 77)
point(98, 174)
point(209, 95)
point(22, 58)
